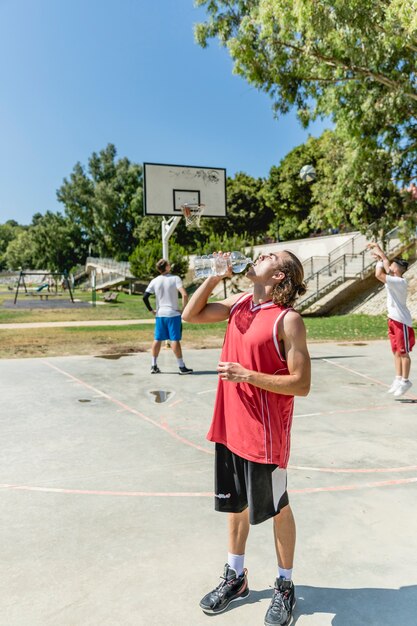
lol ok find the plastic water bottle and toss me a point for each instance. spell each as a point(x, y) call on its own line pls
point(210, 265)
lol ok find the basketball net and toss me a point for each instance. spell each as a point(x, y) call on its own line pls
point(192, 214)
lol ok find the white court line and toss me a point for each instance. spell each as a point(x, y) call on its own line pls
point(375, 380)
point(349, 369)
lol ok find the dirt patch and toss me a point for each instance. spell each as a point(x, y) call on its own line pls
point(48, 342)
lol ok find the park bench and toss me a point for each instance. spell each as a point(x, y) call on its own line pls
point(111, 296)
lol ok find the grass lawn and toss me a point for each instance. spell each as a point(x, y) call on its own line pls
point(101, 340)
point(126, 307)
point(346, 327)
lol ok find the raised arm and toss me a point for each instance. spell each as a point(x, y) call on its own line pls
point(200, 311)
point(382, 266)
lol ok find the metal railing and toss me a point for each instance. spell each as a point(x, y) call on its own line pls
point(108, 271)
point(345, 268)
point(116, 267)
point(346, 248)
point(313, 264)
point(320, 293)
point(317, 262)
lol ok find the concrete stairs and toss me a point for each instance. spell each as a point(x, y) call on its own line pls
point(336, 282)
point(109, 273)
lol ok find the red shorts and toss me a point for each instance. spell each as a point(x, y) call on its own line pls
point(401, 336)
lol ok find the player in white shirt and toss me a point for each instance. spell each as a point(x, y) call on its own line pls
point(168, 325)
point(400, 322)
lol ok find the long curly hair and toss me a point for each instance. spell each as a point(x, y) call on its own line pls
point(293, 285)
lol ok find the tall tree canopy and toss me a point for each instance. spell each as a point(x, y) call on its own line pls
point(8, 232)
point(247, 211)
point(105, 202)
point(52, 242)
point(352, 189)
point(354, 62)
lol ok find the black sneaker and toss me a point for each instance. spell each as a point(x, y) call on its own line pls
point(155, 369)
point(184, 370)
point(231, 588)
point(282, 604)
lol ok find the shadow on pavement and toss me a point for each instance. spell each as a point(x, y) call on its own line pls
point(349, 607)
point(359, 607)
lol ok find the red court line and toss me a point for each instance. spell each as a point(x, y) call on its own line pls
point(167, 429)
point(377, 470)
point(128, 408)
point(198, 494)
point(384, 483)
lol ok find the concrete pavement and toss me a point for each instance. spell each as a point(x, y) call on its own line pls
point(106, 489)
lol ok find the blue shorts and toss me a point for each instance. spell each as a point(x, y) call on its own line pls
point(168, 328)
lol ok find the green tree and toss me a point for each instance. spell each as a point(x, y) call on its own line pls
point(146, 254)
point(247, 210)
point(354, 187)
point(58, 243)
point(8, 232)
point(21, 252)
point(353, 62)
point(288, 196)
point(52, 242)
point(105, 202)
point(224, 242)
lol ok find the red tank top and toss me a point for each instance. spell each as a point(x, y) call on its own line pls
point(252, 422)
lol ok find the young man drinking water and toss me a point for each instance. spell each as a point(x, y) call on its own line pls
point(263, 365)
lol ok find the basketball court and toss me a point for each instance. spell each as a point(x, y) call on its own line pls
point(107, 508)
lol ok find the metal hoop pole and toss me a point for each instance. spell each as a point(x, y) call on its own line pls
point(168, 226)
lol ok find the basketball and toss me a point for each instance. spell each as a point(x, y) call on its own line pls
point(308, 173)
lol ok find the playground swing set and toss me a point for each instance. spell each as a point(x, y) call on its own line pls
point(48, 287)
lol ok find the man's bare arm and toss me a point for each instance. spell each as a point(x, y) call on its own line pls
point(297, 382)
point(184, 296)
point(381, 271)
point(200, 311)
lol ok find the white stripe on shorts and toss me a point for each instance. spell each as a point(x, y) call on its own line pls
point(279, 484)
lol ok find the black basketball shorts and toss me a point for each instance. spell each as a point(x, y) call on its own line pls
point(240, 483)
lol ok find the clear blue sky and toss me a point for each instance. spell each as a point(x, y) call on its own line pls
point(76, 75)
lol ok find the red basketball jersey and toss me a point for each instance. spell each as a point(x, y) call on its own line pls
point(252, 422)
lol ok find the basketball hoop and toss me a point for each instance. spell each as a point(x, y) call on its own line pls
point(192, 214)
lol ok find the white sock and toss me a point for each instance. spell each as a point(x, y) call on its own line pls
point(284, 573)
point(236, 562)
point(404, 380)
point(180, 363)
point(154, 360)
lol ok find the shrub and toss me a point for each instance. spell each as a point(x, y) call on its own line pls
point(145, 256)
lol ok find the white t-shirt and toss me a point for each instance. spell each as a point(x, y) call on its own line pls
point(165, 287)
point(397, 300)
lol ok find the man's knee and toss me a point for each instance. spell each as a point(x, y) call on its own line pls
point(283, 514)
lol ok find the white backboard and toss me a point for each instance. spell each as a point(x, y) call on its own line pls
point(167, 187)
